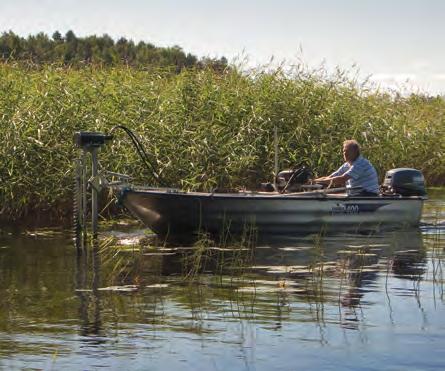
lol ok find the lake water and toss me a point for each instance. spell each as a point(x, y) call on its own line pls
point(312, 302)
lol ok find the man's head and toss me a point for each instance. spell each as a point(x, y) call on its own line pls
point(351, 150)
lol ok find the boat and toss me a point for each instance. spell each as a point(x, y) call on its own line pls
point(171, 212)
point(289, 206)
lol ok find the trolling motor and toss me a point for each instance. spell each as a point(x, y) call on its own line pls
point(89, 143)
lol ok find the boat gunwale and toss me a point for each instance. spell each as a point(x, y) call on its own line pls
point(264, 196)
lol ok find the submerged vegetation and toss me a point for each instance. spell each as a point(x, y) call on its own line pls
point(204, 128)
point(316, 268)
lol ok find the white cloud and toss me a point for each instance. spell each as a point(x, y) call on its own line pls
point(406, 83)
point(393, 77)
point(439, 76)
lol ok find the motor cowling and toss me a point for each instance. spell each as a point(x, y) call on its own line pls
point(404, 181)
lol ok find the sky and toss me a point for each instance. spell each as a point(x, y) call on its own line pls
point(398, 44)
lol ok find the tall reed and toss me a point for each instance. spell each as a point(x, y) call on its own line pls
point(203, 129)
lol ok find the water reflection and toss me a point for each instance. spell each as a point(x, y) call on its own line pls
point(125, 305)
point(266, 282)
point(88, 293)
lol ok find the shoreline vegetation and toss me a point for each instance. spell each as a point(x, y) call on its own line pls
point(204, 127)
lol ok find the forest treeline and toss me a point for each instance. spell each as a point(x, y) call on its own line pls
point(98, 50)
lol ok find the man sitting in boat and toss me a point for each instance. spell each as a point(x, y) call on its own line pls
point(357, 173)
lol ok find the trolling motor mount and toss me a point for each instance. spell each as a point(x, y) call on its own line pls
point(88, 144)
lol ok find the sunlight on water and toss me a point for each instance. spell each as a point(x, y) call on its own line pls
point(330, 302)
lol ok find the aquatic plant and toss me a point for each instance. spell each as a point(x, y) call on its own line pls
point(202, 128)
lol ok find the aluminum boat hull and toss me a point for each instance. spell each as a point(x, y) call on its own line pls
point(170, 213)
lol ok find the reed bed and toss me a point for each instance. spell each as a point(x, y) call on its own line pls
point(202, 128)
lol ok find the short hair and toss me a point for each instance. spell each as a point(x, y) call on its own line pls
point(352, 143)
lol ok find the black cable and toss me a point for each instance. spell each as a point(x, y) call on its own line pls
point(141, 152)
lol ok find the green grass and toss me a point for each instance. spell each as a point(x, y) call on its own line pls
point(203, 129)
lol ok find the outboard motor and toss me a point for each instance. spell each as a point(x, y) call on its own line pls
point(405, 182)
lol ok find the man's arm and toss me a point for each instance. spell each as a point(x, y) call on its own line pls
point(338, 177)
point(339, 180)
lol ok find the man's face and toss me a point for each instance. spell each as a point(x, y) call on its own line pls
point(348, 153)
